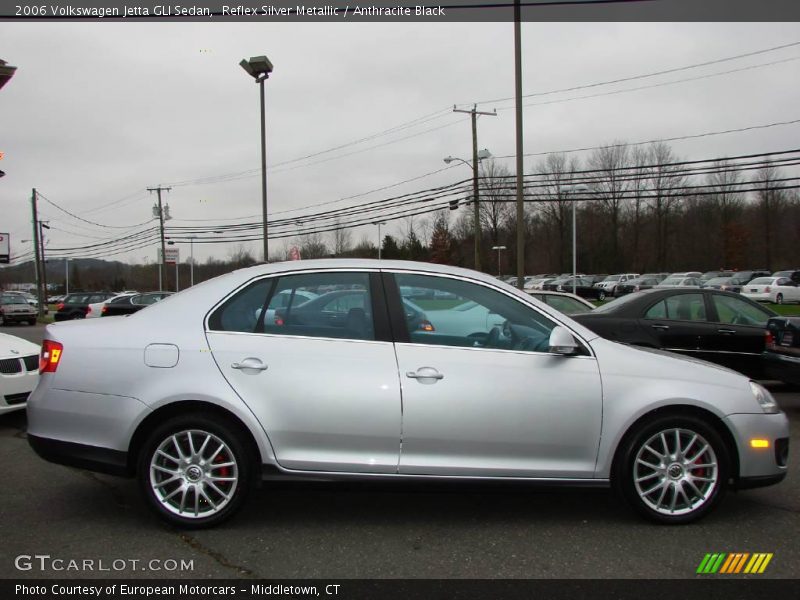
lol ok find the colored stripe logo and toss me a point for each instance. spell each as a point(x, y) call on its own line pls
point(734, 563)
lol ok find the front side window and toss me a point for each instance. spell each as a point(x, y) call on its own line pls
point(451, 312)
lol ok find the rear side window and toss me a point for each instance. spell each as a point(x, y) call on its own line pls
point(327, 305)
point(681, 307)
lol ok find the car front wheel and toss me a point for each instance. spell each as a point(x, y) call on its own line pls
point(194, 471)
point(601, 295)
point(673, 470)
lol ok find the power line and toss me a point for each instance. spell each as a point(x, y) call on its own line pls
point(645, 75)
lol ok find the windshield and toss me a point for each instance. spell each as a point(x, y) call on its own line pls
point(612, 278)
point(671, 281)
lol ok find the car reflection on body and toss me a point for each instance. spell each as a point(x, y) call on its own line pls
point(198, 398)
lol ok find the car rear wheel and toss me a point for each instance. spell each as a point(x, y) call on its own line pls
point(673, 470)
point(194, 471)
point(779, 299)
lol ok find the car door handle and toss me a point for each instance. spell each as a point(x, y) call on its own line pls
point(726, 331)
point(250, 363)
point(425, 375)
point(660, 327)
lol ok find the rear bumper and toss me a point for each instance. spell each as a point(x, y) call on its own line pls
point(71, 454)
point(782, 367)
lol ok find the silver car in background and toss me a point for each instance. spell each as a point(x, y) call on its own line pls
point(204, 393)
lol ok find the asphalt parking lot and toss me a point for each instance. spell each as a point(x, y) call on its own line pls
point(349, 531)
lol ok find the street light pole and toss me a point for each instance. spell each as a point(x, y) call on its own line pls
point(379, 223)
point(191, 258)
point(66, 276)
point(259, 67)
point(569, 189)
point(499, 249)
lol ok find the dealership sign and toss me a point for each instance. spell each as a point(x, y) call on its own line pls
point(172, 256)
point(5, 248)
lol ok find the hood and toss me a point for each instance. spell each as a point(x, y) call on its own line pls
point(12, 346)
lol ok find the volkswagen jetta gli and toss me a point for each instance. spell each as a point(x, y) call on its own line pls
point(206, 393)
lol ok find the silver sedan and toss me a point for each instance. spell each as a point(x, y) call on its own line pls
point(206, 392)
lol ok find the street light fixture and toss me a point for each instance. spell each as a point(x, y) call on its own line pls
point(568, 189)
point(480, 155)
point(259, 68)
point(379, 223)
point(499, 250)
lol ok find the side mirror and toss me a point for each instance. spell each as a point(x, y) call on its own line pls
point(562, 342)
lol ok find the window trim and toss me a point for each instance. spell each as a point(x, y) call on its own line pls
point(379, 314)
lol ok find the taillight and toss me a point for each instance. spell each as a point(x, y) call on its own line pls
point(88, 309)
point(426, 326)
point(60, 306)
point(769, 339)
point(767, 289)
point(104, 309)
point(278, 320)
point(50, 357)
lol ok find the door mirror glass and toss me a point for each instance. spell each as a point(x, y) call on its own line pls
point(562, 341)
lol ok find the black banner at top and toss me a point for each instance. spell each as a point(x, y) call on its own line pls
point(401, 10)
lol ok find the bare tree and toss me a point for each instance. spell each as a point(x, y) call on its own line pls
point(665, 181)
point(342, 239)
point(725, 183)
point(554, 176)
point(312, 245)
point(497, 198)
point(610, 185)
point(769, 199)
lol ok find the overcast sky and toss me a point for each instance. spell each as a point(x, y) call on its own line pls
point(98, 112)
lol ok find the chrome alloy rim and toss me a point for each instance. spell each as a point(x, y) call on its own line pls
point(675, 471)
point(193, 474)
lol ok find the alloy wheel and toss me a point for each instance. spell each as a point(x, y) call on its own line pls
point(675, 472)
point(194, 474)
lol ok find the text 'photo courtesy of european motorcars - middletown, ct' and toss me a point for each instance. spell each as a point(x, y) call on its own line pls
point(390, 371)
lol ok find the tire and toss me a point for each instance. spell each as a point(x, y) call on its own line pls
point(177, 482)
point(666, 486)
point(76, 315)
point(32, 322)
point(601, 295)
point(779, 299)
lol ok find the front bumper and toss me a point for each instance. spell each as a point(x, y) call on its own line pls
point(760, 466)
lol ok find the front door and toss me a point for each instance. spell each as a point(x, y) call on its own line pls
point(482, 399)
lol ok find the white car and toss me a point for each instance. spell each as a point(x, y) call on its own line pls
point(95, 310)
point(674, 281)
point(19, 371)
point(610, 283)
point(772, 289)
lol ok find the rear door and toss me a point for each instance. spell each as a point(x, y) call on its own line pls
point(680, 324)
point(326, 394)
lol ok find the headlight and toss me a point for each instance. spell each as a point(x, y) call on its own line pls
point(764, 398)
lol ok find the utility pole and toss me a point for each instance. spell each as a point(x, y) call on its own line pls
point(162, 268)
point(44, 262)
point(474, 112)
point(35, 218)
point(520, 164)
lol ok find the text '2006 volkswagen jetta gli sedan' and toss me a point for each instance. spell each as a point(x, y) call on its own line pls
point(389, 370)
